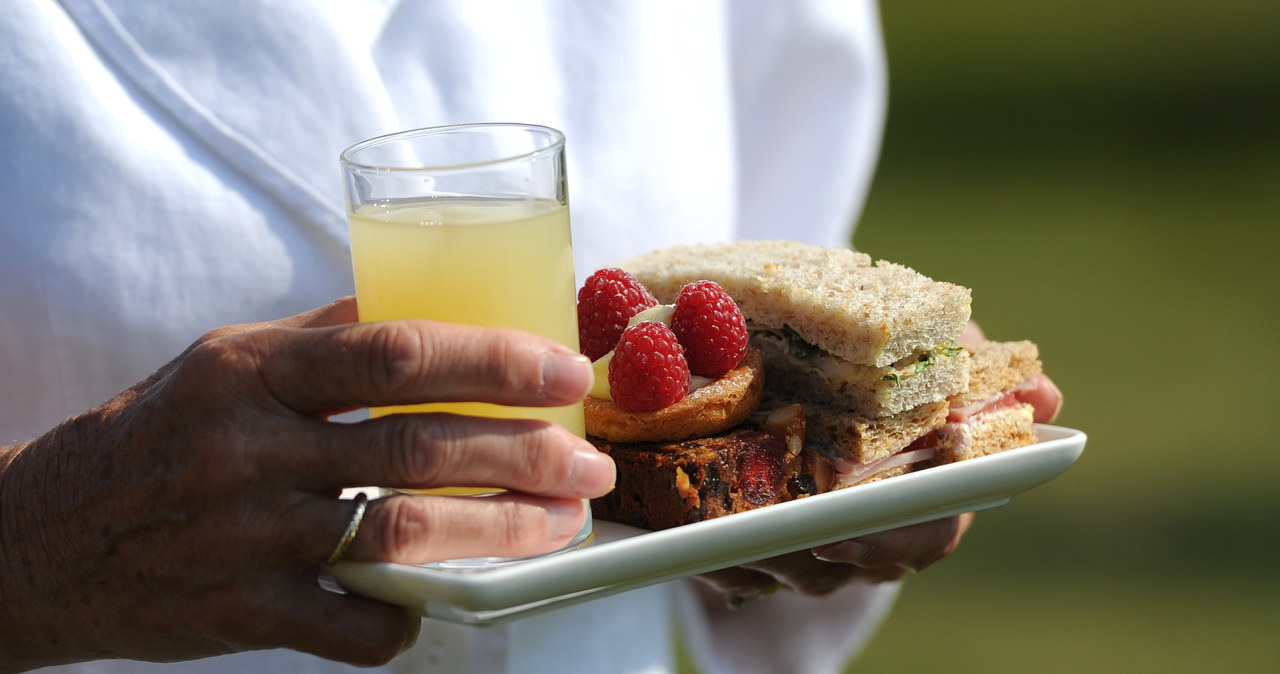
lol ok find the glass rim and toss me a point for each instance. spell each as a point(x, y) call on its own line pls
point(556, 144)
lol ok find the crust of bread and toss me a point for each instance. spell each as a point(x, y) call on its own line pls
point(988, 433)
point(713, 408)
point(861, 439)
point(997, 366)
point(872, 314)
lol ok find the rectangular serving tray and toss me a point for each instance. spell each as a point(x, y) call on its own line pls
point(619, 558)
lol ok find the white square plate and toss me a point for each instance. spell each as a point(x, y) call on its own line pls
point(620, 558)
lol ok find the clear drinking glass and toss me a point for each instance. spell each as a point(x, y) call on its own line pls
point(466, 224)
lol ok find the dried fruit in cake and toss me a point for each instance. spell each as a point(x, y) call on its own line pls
point(648, 370)
point(710, 327)
point(760, 472)
point(606, 302)
point(668, 484)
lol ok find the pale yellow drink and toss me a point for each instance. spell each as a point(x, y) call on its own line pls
point(487, 262)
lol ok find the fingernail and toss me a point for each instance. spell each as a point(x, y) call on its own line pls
point(591, 472)
point(844, 552)
point(566, 518)
point(737, 601)
point(1055, 407)
point(566, 376)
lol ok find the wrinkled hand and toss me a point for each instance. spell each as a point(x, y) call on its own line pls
point(190, 515)
point(880, 557)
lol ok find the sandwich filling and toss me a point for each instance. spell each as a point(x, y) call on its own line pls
point(812, 373)
point(803, 355)
point(993, 425)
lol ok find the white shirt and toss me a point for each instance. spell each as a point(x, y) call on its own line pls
point(172, 167)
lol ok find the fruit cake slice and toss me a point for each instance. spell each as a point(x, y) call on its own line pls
point(667, 484)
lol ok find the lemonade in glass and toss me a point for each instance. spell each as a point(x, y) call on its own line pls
point(466, 224)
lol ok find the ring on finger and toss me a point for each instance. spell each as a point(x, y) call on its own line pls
point(349, 536)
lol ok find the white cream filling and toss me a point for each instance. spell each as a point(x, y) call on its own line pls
point(657, 314)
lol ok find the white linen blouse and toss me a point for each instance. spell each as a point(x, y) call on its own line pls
point(172, 167)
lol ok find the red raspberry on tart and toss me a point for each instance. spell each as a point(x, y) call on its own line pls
point(711, 328)
point(606, 302)
point(648, 370)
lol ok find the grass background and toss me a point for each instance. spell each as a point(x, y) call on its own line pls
point(1105, 176)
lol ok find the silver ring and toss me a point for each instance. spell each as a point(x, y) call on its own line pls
point(348, 536)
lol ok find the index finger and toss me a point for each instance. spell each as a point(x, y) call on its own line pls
point(321, 370)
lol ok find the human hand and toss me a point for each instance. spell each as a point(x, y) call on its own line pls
point(879, 557)
point(190, 515)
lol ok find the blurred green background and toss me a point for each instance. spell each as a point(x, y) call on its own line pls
point(1105, 176)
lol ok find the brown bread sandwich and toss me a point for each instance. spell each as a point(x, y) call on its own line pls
point(861, 370)
point(869, 348)
point(988, 417)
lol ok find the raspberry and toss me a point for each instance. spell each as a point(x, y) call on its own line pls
point(606, 301)
point(711, 328)
point(648, 370)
